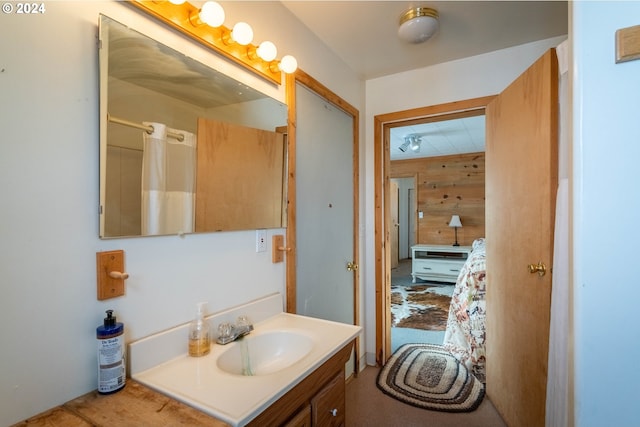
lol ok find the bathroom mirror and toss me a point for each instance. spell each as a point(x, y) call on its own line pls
point(152, 99)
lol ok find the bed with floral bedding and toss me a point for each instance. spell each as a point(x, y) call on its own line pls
point(465, 334)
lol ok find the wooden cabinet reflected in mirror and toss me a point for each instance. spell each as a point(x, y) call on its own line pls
point(152, 98)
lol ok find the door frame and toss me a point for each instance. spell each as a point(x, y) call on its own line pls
point(301, 77)
point(382, 126)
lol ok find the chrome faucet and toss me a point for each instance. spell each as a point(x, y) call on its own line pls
point(228, 332)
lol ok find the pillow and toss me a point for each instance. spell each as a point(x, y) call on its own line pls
point(478, 244)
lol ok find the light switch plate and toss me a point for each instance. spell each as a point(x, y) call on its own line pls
point(628, 44)
point(107, 262)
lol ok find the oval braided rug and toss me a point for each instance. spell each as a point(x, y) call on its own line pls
point(428, 376)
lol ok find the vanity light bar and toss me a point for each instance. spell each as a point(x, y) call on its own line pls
point(179, 16)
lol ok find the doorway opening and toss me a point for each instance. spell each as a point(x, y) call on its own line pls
point(418, 307)
point(384, 124)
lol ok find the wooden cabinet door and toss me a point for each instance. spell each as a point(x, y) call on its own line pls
point(328, 406)
point(301, 419)
point(521, 185)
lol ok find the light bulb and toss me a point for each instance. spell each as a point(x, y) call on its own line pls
point(288, 64)
point(267, 51)
point(177, 1)
point(242, 33)
point(212, 14)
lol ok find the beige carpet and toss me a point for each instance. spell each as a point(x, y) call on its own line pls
point(367, 406)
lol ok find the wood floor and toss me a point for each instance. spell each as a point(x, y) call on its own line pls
point(367, 406)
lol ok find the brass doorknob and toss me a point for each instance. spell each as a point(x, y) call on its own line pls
point(539, 268)
point(352, 266)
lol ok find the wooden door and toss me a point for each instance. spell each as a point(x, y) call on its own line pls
point(239, 181)
point(395, 224)
point(521, 183)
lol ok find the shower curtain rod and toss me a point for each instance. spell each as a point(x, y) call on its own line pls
point(148, 129)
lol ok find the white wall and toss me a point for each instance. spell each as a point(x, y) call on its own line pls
point(49, 212)
point(606, 205)
point(468, 78)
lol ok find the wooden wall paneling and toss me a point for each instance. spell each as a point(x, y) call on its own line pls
point(447, 185)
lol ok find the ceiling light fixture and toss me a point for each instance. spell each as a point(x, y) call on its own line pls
point(411, 141)
point(418, 24)
point(415, 143)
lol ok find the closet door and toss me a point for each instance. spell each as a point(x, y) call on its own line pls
point(325, 208)
point(521, 184)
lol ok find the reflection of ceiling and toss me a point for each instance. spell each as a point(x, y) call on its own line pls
point(443, 138)
point(139, 60)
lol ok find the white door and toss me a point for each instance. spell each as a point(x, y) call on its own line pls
point(324, 208)
point(412, 217)
point(394, 237)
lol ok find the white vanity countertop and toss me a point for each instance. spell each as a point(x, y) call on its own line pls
point(237, 399)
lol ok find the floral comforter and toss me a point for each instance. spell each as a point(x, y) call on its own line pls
point(465, 334)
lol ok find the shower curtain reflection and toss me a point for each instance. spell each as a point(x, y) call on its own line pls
point(168, 181)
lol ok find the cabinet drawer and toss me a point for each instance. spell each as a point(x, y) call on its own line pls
point(301, 419)
point(440, 254)
point(446, 268)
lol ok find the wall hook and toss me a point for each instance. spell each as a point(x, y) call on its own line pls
point(118, 275)
point(279, 248)
point(110, 274)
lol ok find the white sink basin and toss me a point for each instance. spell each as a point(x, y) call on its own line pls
point(268, 352)
point(283, 350)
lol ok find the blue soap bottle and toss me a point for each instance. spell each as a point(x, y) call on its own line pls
point(111, 360)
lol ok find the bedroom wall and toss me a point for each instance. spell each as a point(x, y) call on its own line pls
point(49, 185)
point(447, 185)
